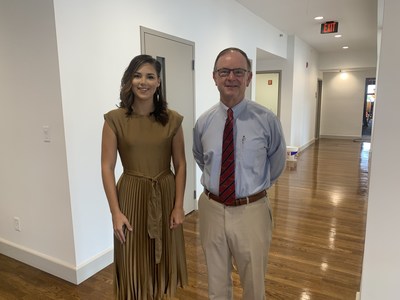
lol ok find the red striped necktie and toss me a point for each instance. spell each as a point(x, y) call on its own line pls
point(227, 177)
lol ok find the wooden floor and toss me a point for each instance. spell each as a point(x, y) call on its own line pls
point(319, 206)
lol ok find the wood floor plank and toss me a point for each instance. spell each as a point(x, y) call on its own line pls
point(319, 206)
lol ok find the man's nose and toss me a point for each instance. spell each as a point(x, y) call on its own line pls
point(231, 74)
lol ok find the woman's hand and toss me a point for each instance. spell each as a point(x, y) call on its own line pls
point(120, 225)
point(177, 217)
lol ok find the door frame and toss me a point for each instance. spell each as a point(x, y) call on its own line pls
point(318, 109)
point(368, 81)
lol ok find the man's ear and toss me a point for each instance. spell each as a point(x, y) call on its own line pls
point(214, 77)
point(250, 76)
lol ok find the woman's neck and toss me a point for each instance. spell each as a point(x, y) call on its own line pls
point(143, 107)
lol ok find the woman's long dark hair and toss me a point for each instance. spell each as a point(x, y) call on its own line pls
point(127, 97)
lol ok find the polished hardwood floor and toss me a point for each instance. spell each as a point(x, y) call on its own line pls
point(319, 206)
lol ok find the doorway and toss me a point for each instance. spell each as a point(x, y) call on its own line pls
point(268, 86)
point(318, 109)
point(177, 57)
point(368, 111)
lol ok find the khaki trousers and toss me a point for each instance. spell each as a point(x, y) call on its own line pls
point(240, 232)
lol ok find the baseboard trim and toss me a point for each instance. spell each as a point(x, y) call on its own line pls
point(54, 266)
point(358, 296)
point(340, 137)
point(94, 265)
point(305, 146)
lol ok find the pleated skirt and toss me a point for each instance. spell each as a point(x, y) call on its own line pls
point(137, 275)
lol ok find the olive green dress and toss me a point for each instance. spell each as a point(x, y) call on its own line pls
point(152, 262)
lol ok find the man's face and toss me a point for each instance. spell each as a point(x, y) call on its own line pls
point(231, 77)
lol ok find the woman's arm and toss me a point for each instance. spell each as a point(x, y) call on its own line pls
point(108, 161)
point(179, 161)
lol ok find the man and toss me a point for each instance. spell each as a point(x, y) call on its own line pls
point(239, 146)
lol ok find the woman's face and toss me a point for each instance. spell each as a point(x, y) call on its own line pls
point(145, 82)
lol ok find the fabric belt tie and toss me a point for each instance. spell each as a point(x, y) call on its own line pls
point(238, 201)
point(154, 210)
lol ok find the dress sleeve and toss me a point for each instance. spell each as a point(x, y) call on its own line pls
point(176, 121)
point(109, 118)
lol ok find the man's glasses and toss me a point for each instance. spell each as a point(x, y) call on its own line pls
point(224, 72)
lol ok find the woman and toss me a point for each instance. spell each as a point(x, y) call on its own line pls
point(147, 202)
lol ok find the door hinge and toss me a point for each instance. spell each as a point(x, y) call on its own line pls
point(193, 64)
point(194, 194)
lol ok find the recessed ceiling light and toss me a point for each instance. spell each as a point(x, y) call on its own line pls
point(338, 35)
point(345, 47)
point(344, 75)
point(318, 18)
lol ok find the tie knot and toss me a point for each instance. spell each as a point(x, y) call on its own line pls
point(230, 114)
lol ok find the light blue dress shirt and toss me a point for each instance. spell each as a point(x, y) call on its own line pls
point(260, 149)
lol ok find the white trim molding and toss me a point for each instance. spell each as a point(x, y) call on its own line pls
point(56, 267)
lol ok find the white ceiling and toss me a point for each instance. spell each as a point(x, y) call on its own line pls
point(357, 21)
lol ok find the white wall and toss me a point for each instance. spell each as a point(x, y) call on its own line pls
point(33, 174)
point(299, 85)
point(343, 99)
point(353, 60)
point(286, 67)
point(304, 105)
point(343, 102)
point(298, 90)
point(381, 264)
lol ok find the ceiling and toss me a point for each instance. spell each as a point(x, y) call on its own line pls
point(357, 22)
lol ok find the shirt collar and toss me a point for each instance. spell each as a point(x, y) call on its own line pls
point(237, 109)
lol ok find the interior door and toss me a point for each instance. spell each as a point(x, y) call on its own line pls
point(177, 57)
point(268, 90)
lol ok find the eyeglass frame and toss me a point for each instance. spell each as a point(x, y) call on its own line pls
point(231, 71)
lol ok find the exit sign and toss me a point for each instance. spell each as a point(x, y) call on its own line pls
point(329, 27)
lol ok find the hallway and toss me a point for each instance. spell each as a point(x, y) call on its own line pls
point(320, 214)
point(317, 249)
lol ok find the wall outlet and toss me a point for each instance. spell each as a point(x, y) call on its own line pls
point(17, 224)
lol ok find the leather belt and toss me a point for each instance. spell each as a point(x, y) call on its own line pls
point(239, 201)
